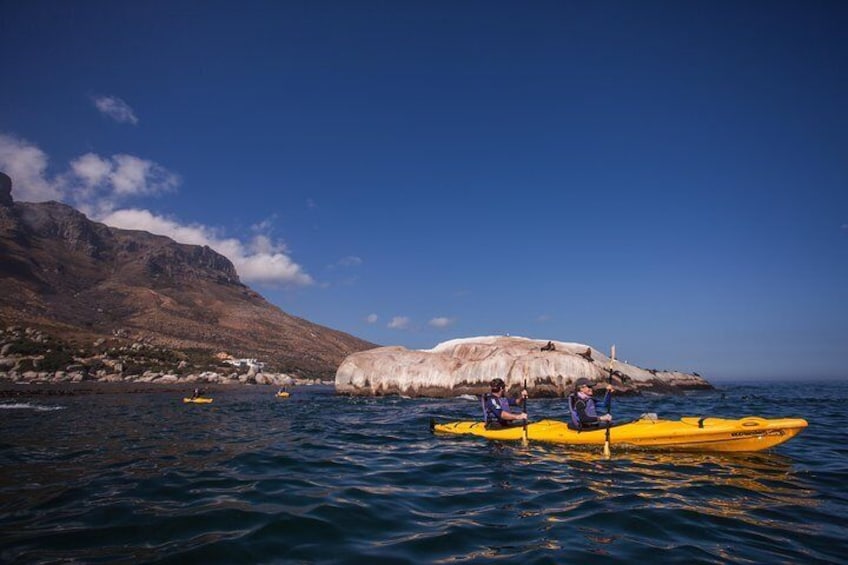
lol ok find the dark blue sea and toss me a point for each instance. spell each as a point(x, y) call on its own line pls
point(127, 476)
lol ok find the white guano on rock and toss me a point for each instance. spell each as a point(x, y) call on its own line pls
point(465, 366)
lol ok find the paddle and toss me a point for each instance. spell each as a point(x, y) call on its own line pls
point(524, 409)
point(609, 407)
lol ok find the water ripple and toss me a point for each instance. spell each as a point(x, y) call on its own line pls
point(143, 478)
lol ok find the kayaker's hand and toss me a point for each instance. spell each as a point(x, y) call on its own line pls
point(610, 388)
point(605, 418)
point(524, 394)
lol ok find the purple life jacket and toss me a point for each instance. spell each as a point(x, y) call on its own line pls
point(589, 409)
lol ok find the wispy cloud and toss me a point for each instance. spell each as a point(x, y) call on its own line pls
point(399, 323)
point(441, 322)
point(350, 261)
point(371, 318)
point(115, 108)
point(346, 262)
point(99, 186)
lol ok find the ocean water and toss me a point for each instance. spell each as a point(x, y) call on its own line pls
point(140, 477)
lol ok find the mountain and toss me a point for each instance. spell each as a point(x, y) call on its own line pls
point(81, 280)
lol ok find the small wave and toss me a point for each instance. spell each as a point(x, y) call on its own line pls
point(28, 406)
point(467, 397)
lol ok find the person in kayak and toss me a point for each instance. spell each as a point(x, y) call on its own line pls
point(584, 411)
point(496, 407)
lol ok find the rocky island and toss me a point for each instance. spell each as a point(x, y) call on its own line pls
point(465, 366)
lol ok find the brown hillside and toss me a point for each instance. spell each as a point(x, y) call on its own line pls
point(80, 279)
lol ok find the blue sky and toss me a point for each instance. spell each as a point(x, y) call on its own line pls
point(668, 177)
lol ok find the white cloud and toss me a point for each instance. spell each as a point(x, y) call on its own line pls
point(117, 178)
point(98, 186)
point(91, 169)
point(441, 322)
point(543, 318)
point(132, 176)
point(371, 318)
point(116, 109)
point(399, 323)
point(26, 164)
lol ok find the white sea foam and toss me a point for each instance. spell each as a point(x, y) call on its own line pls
point(28, 406)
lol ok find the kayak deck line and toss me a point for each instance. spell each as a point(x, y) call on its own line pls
point(751, 433)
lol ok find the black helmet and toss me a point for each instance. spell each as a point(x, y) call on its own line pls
point(497, 384)
point(582, 381)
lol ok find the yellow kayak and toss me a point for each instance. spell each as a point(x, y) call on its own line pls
point(751, 433)
point(282, 395)
point(198, 400)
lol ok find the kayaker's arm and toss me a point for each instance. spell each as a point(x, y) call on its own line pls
point(494, 407)
point(512, 416)
point(518, 401)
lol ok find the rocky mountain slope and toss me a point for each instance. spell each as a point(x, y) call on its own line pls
point(81, 281)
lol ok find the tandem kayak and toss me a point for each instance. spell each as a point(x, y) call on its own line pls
point(198, 400)
point(282, 395)
point(751, 433)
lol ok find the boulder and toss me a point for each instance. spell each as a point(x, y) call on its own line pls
point(465, 366)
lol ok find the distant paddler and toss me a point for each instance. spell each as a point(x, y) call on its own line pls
point(197, 397)
point(282, 393)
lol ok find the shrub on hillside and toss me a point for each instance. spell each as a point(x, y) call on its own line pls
point(55, 360)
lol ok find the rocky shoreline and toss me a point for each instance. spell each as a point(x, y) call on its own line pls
point(152, 377)
point(30, 356)
point(24, 390)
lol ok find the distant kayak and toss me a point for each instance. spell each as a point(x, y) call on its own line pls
point(198, 400)
point(282, 395)
point(751, 433)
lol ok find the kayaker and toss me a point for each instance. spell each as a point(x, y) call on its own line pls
point(496, 406)
point(584, 411)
